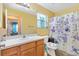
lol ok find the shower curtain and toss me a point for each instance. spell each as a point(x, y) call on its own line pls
point(65, 30)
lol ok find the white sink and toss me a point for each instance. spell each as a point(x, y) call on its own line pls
point(10, 42)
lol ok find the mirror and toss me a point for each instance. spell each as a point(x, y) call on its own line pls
point(13, 25)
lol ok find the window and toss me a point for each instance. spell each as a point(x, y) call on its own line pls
point(42, 20)
point(15, 27)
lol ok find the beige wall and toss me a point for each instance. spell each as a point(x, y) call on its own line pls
point(68, 10)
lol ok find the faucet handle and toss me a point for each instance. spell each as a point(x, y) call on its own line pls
point(24, 36)
point(2, 39)
point(2, 45)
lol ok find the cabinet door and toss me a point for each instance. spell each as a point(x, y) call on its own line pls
point(40, 42)
point(29, 52)
point(0, 52)
point(40, 50)
point(14, 51)
point(27, 46)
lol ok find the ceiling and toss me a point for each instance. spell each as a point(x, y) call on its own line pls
point(56, 7)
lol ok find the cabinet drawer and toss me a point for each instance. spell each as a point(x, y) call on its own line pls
point(27, 46)
point(10, 51)
point(40, 42)
point(29, 52)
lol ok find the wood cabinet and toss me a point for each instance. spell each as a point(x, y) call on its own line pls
point(35, 48)
point(0, 52)
point(14, 51)
point(27, 46)
point(40, 48)
point(28, 49)
point(29, 52)
point(40, 42)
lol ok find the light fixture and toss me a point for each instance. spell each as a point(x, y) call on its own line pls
point(25, 4)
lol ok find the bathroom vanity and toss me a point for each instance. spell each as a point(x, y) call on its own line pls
point(31, 47)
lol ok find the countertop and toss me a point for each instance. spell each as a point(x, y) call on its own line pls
point(20, 40)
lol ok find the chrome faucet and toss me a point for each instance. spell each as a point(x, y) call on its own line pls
point(2, 39)
point(24, 36)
